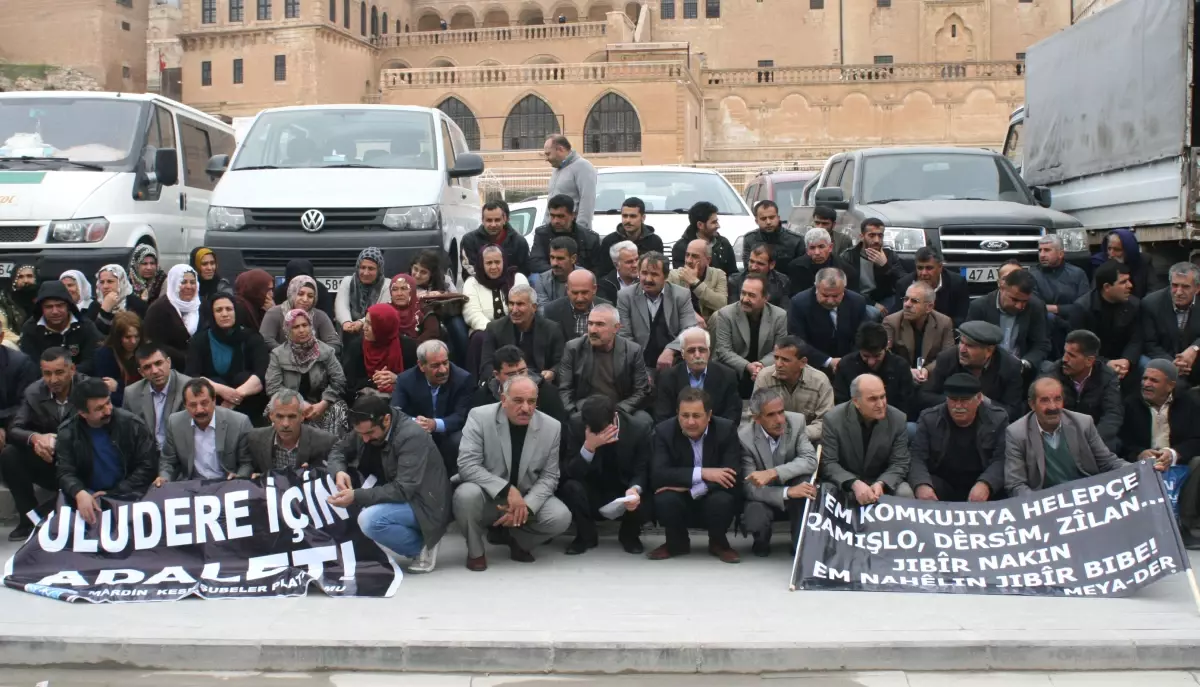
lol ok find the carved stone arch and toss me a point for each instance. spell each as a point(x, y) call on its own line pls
point(598, 11)
point(612, 125)
point(429, 20)
point(954, 42)
point(530, 120)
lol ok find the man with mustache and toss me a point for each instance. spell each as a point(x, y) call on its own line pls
point(607, 364)
point(633, 228)
point(1050, 446)
point(958, 451)
point(699, 371)
point(978, 354)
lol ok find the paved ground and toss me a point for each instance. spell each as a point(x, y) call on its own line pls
point(608, 612)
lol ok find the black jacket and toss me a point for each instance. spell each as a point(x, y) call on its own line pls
point(562, 312)
point(514, 246)
point(886, 277)
point(802, 273)
point(104, 320)
point(548, 344)
point(788, 244)
point(674, 462)
point(722, 252)
point(1182, 419)
point(1119, 326)
point(1161, 337)
point(648, 241)
point(1033, 336)
point(588, 241)
point(39, 413)
point(811, 322)
point(80, 338)
point(720, 382)
point(894, 371)
point(1100, 399)
point(778, 288)
point(17, 373)
point(630, 453)
point(549, 401)
point(928, 449)
point(1001, 381)
point(135, 444)
point(952, 300)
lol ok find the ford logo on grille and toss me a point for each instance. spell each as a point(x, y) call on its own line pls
point(994, 244)
point(313, 220)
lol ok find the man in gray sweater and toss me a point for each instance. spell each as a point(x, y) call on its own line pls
point(573, 176)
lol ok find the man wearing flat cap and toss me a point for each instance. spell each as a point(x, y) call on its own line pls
point(958, 451)
point(1164, 426)
point(979, 355)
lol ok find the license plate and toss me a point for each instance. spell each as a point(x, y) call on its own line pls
point(331, 283)
point(980, 274)
point(6, 270)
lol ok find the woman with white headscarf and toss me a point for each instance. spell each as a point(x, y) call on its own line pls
point(79, 288)
point(115, 295)
point(174, 317)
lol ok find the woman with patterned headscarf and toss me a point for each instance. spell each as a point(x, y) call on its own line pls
point(416, 323)
point(145, 276)
point(116, 296)
point(311, 368)
point(301, 295)
point(79, 287)
point(361, 290)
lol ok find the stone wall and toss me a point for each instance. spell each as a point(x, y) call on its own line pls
point(40, 77)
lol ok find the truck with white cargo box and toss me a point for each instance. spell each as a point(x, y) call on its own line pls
point(1110, 125)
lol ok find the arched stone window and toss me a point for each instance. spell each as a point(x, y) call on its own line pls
point(362, 18)
point(612, 126)
point(464, 118)
point(383, 23)
point(345, 13)
point(374, 20)
point(528, 124)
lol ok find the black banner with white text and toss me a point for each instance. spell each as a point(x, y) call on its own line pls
point(210, 538)
point(1106, 535)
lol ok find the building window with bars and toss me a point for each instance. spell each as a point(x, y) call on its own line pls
point(883, 3)
point(291, 9)
point(667, 9)
point(345, 13)
point(281, 67)
point(237, 9)
point(264, 9)
point(362, 18)
point(126, 3)
point(816, 4)
point(206, 73)
point(529, 124)
point(612, 126)
point(208, 11)
point(458, 111)
point(712, 9)
point(383, 23)
point(691, 9)
point(126, 72)
point(333, 11)
point(766, 71)
point(883, 59)
point(237, 70)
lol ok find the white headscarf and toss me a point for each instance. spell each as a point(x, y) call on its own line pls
point(85, 287)
point(124, 288)
point(189, 311)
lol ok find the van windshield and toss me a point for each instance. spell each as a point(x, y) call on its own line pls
point(95, 131)
point(310, 139)
point(940, 176)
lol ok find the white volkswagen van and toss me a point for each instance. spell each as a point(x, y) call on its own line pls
point(85, 177)
point(323, 182)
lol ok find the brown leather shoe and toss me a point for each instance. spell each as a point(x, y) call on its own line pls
point(726, 554)
point(477, 564)
point(662, 553)
point(518, 554)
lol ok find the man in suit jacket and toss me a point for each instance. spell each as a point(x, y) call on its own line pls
point(654, 312)
point(708, 285)
point(28, 455)
point(159, 393)
point(608, 461)
point(288, 444)
point(540, 339)
point(508, 463)
point(580, 375)
point(1171, 320)
point(1050, 446)
point(1089, 386)
point(866, 444)
point(437, 395)
point(624, 256)
point(952, 295)
point(919, 332)
point(957, 453)
point(1021, 317)
point(746, 332)
point(827, 317)
point(570, 313)
point(204, 440)
point(696, 474)
point(698, 371)
point(777, 461)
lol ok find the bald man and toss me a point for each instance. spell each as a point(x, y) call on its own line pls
point(866, 444)
point(709, 285)
point(571, 311)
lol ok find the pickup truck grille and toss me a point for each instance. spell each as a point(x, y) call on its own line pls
point(339, 218)
point(325, 262)
point(964, 247)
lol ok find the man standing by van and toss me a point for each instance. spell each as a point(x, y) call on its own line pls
point(573, 176)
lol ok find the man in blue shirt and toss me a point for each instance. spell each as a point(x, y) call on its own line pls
point(103, 450)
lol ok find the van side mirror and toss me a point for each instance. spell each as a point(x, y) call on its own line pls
point(217, 164)
point(467, 165)
point(1042, 195)
point(166, 166)
point(832, 197)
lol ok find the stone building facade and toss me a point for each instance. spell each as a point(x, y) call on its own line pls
point(668, 81)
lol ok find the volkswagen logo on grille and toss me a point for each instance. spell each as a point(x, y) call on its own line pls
point(313, 220)
point(993, 244)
